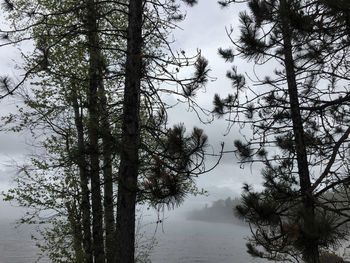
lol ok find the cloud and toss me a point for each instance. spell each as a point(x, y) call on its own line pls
point(203, 28)
point(12, 144)
point(7, 173)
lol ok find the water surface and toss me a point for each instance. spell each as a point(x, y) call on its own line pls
point(184, 241)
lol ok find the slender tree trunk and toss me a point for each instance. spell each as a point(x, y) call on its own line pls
point(75, 224)
point(311, 254)
point(95, 81)
point(84, 180)
point(107, 144)
point(129, 159)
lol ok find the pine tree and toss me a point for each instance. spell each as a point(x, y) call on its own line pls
point(299, 111)
point(131, 135)
point(90, 88)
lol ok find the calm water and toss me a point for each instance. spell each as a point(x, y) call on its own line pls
point(201, 242)
point(16, 246)
point(179, 241)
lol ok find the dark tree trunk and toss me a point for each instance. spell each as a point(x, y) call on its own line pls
point(84, 180)
point(311, 254)
point(95, 81)
point(107, 144)
point(129, 158)
point(75, 224)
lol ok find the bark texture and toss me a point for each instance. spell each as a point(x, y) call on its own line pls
point(129, 164)
point(95, 81)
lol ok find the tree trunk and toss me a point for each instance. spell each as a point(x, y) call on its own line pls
point(129, 158)
point(75, 224)
point(84, 180)
point(107, 144)
point(95, 81)
point(311, 253)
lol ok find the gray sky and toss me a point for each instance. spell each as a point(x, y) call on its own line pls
point(204, 28)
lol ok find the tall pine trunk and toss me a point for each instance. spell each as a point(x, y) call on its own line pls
point(95, 81)
point(311, 252)
point(129, 158)
point(84, 180)
point(107, 147)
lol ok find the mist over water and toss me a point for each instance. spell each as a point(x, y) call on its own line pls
point(201, 233)
point(177, 241)
point(185, 241)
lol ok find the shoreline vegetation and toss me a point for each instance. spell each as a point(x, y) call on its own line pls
point(220, 211)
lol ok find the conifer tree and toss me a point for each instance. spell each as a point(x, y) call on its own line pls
point(299, 112)
point(135, 74)
point(89, 88)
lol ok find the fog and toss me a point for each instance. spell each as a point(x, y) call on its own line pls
point(219, 211)
point(178, 239)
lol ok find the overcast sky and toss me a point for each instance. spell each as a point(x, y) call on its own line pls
point(204, 28)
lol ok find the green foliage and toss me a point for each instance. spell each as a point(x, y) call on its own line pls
point(298, 115)
point(226, 54)
point(45, 192)
point(58, 242)
point(144, 243)
point(244, 150)
point(288, 221)
point(200, 77)
point(168, 177)
point(58, 71)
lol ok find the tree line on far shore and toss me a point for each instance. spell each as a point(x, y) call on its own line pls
point(219, 211)
point(91, 92)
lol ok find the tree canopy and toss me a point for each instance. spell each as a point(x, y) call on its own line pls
point(93, 89)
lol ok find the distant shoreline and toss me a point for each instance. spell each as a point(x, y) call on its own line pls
point(233, 221)
point(220, 211)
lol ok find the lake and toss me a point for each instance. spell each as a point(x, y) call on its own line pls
point(186, 241)
point(177, 241)
point(15, 244)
